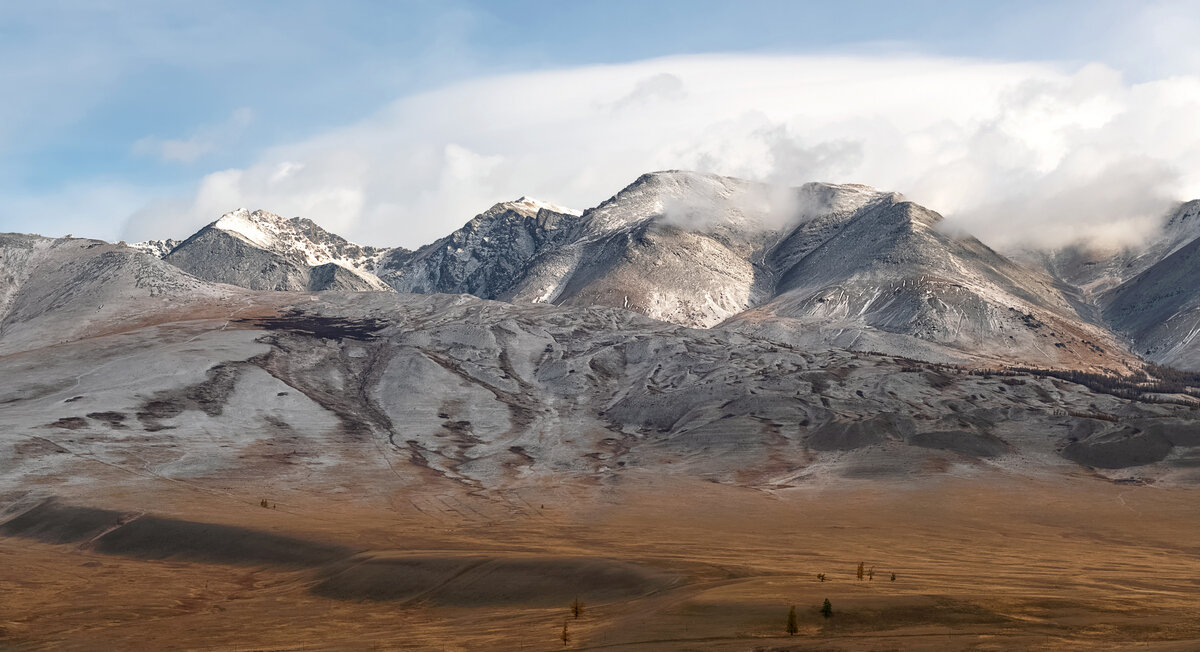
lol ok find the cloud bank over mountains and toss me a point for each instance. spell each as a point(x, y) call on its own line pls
point(1016, 153)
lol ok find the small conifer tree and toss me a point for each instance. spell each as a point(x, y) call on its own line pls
point(566, 635)
point(860, 570)
point(577, 608)
point(827, 608)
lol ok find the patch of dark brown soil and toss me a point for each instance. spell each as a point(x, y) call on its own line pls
point(115, 420)
point(962, 442)
point(208, 396)
point(850, 435)
point(332, 328)
point(69, 423)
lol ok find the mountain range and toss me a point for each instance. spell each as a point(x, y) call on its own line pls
point(835, 265)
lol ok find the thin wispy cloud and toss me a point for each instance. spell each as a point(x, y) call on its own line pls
point(205, 140)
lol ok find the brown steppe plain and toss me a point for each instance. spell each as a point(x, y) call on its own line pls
point(985, 563)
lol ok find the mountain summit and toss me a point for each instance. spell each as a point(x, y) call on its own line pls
point(263, 251)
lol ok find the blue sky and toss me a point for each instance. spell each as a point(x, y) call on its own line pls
point(118, 114)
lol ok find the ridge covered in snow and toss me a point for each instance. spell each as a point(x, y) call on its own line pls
point(259, 250)
point(297, 237)
point(530, 206)
point(156, 248)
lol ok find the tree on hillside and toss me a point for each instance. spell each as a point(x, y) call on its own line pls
point(827, 608)
point(566, 635)
point(576, 608)
point(860, 570)
point(792, 625)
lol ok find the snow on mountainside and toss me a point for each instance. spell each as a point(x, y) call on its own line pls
point(156, 248)
point(263, 251)
point(297, 237)
point(531, 207)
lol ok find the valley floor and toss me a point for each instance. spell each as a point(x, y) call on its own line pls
point(986, 563)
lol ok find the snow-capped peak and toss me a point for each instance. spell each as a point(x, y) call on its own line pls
point(260, 228)
point(298, 239)
point(530, 206)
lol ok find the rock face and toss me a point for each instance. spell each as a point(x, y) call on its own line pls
point(487, 256)
point(262, 251)
point(156, 248)
point(1148, 294)
point(681, 247)
point(1095, 271)
point(1159, 309)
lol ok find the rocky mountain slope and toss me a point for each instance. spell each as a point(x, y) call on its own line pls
point(681, 247)
point(263, 251)
point(1147, 294)
point(55, 290)
point(487, 256)
point(890, 280)
point(1160, 309)
point(1096, 270)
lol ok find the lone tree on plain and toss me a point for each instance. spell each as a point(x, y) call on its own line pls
point(871, 573)
point(566, 635)
point(893, 577)
point(576, 608)
point(860, 570)
point(827, 609)
point(792, 626)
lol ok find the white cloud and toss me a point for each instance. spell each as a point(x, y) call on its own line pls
point(1013, 152)
point(205, 140)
